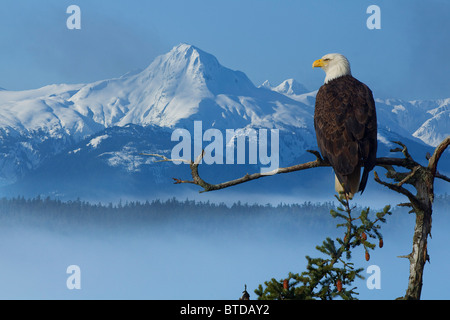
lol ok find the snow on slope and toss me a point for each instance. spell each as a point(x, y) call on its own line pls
point(189, 84)
point(177, 88)
point(427, 120)
point(94, 143)
point(289, 87)
point(184, 85)
point(435, 129)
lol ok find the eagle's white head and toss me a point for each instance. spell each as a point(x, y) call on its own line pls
point(335, 65)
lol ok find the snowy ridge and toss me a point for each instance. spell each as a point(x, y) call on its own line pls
point(289, 87)
point(183, 85)
point(427, 120)
point(177, 88)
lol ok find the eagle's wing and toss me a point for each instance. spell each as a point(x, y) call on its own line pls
point(346, 127)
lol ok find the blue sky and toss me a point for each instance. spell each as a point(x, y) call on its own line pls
point(266, 39)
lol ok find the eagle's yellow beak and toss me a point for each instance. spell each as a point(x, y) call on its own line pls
point(318, 63)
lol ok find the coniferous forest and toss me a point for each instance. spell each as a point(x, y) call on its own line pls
point(78, 215)
point(207, 216)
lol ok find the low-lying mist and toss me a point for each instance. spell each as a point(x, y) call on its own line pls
point(190, 250)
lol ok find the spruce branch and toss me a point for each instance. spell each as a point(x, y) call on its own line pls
point(331, 277)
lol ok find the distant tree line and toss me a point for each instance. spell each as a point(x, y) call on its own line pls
point(54, 213)
point(207, 216)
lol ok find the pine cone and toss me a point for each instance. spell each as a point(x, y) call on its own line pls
point(367, 256)
point(286, 284)
point(339, 285)
point(381, 243)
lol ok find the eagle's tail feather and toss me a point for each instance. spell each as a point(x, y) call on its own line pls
point(351, 183)
point(365, 177)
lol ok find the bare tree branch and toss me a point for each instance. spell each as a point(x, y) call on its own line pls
point(408, 177)
point(386, 162)
point(404, 150)
point(443, 177)
point(432, 164)
point(398, 188)
point(207, 187)
point(319, 162)
point(164, 158)
point(408, 256)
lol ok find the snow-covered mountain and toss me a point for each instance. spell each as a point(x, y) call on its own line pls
point(99, 129)
point(427, 120)
point(289, 87)
point(183, 85)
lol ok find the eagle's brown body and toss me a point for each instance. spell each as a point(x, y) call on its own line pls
point(346, 129)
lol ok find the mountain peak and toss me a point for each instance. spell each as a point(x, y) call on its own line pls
point(190, 56)
point(189, 64)
point(290, 87)
point(266, 84)
point(187, 48)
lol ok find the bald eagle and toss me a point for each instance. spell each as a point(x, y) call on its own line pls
point(345, 122)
